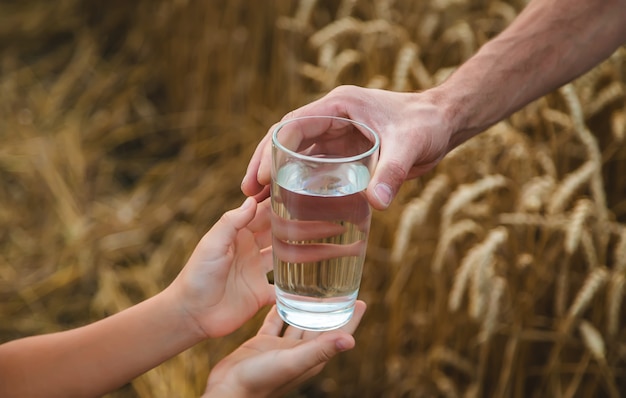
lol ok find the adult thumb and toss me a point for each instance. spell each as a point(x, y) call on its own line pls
point(386, 181)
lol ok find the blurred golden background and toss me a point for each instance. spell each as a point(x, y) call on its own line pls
point(126, 128)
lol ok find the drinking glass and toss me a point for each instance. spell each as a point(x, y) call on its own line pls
point(321, 166)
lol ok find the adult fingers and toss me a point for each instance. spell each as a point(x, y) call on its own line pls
point(262, 217)
point(257, 175)
point(298, 253)
point(304, 230)
point(250, 185)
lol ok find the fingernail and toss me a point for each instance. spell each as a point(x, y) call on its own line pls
point(247, 203)
point(382, 191)
point(341, 345)
point(244, 180)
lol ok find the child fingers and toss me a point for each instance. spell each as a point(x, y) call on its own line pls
point(350, 327)
point(261, 221)
point(273, 323)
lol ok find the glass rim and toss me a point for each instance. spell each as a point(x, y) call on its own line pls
point(346, 159)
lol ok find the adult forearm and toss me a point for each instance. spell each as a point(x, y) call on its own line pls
point(550, 43)
point(97, 358)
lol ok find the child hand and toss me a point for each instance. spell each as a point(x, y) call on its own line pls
point(269, 364)
point(224, 283)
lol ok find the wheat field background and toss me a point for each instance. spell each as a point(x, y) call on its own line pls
point(126, 128)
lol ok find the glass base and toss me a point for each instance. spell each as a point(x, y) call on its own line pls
point(315, 314)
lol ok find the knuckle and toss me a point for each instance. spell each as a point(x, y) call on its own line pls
point(395, 172)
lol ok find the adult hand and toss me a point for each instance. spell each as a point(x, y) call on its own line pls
point(269, 365)
point(414, 132)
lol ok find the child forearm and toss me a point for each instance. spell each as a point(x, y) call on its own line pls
point(95, 359)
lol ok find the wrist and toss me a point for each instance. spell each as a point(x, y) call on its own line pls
point(173, 302)
point(453, 108)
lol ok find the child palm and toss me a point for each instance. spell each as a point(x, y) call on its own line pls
point(224, 283)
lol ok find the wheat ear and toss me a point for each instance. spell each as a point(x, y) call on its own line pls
point(596, 279)
point(407, 54)
point(534, 193)
point(345, 9)
point(591, 145)
point(618, 126)
point(574, 228)
point(483, 272)
point(304, 11)
point(478, 256)
point(455, 232)
point(415, 212)
point(619, 253)
point(493, 309)
point(335, 30)
point(614, 303)
point(593, 340)
point(569, 185)
point(612, 93)
point(466, 193)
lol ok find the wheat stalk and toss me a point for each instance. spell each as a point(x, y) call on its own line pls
point(480, 284)
point(591, 145)
point(440, 354)
point(453, 233)
point(574, 228)
point(445, 385)
point(592, 338)
point(589, 249)
point(479, 256)
point(335, 30)
point(342, 61)
point(557, 117)
point(378, 81)
point(612, 93)
point(421, 75)
point(442, 74)
point(304, 11)
point(618, 126)
point(483, 272)
point(619, 253)
point(461, 33)
point(383, 9)
point(545, 161)
point(614, 303)
point(466, 193)
point(493, 309)
point(314, 72)
point(534, 220)
point(415, 212)
point(534, 193)
point(345, 9)
point(429, 25)
point(327, 53)
point(569, 185)
point(596, 279)
point(587, 83)
point(524, 260)
point(504, 10)
point(407, 54)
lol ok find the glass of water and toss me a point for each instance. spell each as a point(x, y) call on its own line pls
point(321, 166)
